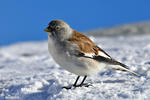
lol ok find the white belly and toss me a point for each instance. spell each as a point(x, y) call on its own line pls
point(78, 65)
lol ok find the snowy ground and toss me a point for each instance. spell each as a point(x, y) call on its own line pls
point(27, 72)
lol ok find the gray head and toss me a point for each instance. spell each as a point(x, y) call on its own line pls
point(58, 29)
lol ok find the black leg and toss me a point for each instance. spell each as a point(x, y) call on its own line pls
point(75, 84)
point(84, 84)
point(83, 80)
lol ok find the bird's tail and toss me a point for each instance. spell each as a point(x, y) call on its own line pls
point(121, 67)
point(113, 64)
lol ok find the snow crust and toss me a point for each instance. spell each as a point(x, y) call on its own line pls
point(28, 72)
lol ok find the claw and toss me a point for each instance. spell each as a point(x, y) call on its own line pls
point(81, 85)
point(66, 87)
point(85, 85)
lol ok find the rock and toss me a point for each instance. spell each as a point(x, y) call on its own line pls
point(140, 28)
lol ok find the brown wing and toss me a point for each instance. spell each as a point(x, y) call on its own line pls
point(86, 45)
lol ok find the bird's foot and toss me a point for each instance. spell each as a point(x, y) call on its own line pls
point(67, 87)
point(74, 86)
point(83, 85)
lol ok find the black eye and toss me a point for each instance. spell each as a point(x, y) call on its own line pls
point(48, 26)
point(57, 28)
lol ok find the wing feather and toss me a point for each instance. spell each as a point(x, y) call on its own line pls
point(86, 46)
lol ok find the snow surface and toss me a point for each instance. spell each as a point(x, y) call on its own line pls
point(28, 72)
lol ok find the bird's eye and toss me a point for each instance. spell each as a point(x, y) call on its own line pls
point(57, 27)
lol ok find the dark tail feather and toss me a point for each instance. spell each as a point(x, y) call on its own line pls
point(121, 68)
point(115, 65)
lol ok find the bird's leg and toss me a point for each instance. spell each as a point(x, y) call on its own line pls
point(74, 85)
point(84, 84)
point(80, 85)
point(83, 80)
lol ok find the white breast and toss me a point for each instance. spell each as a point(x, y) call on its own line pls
point(80, 66)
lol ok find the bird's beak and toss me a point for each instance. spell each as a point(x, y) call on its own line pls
point(47, 30)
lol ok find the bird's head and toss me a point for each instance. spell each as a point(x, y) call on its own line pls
point(58, 29)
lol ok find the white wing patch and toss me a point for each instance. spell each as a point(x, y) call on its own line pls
point(89, 55)
point(100, 53)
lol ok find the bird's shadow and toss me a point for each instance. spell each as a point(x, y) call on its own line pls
point(109, 81)
point(114, 81)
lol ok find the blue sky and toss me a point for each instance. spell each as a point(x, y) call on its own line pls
point(24, 20)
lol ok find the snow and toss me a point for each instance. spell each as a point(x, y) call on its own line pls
point(28, 72)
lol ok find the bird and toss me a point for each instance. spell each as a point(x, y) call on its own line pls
point(77, 53)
